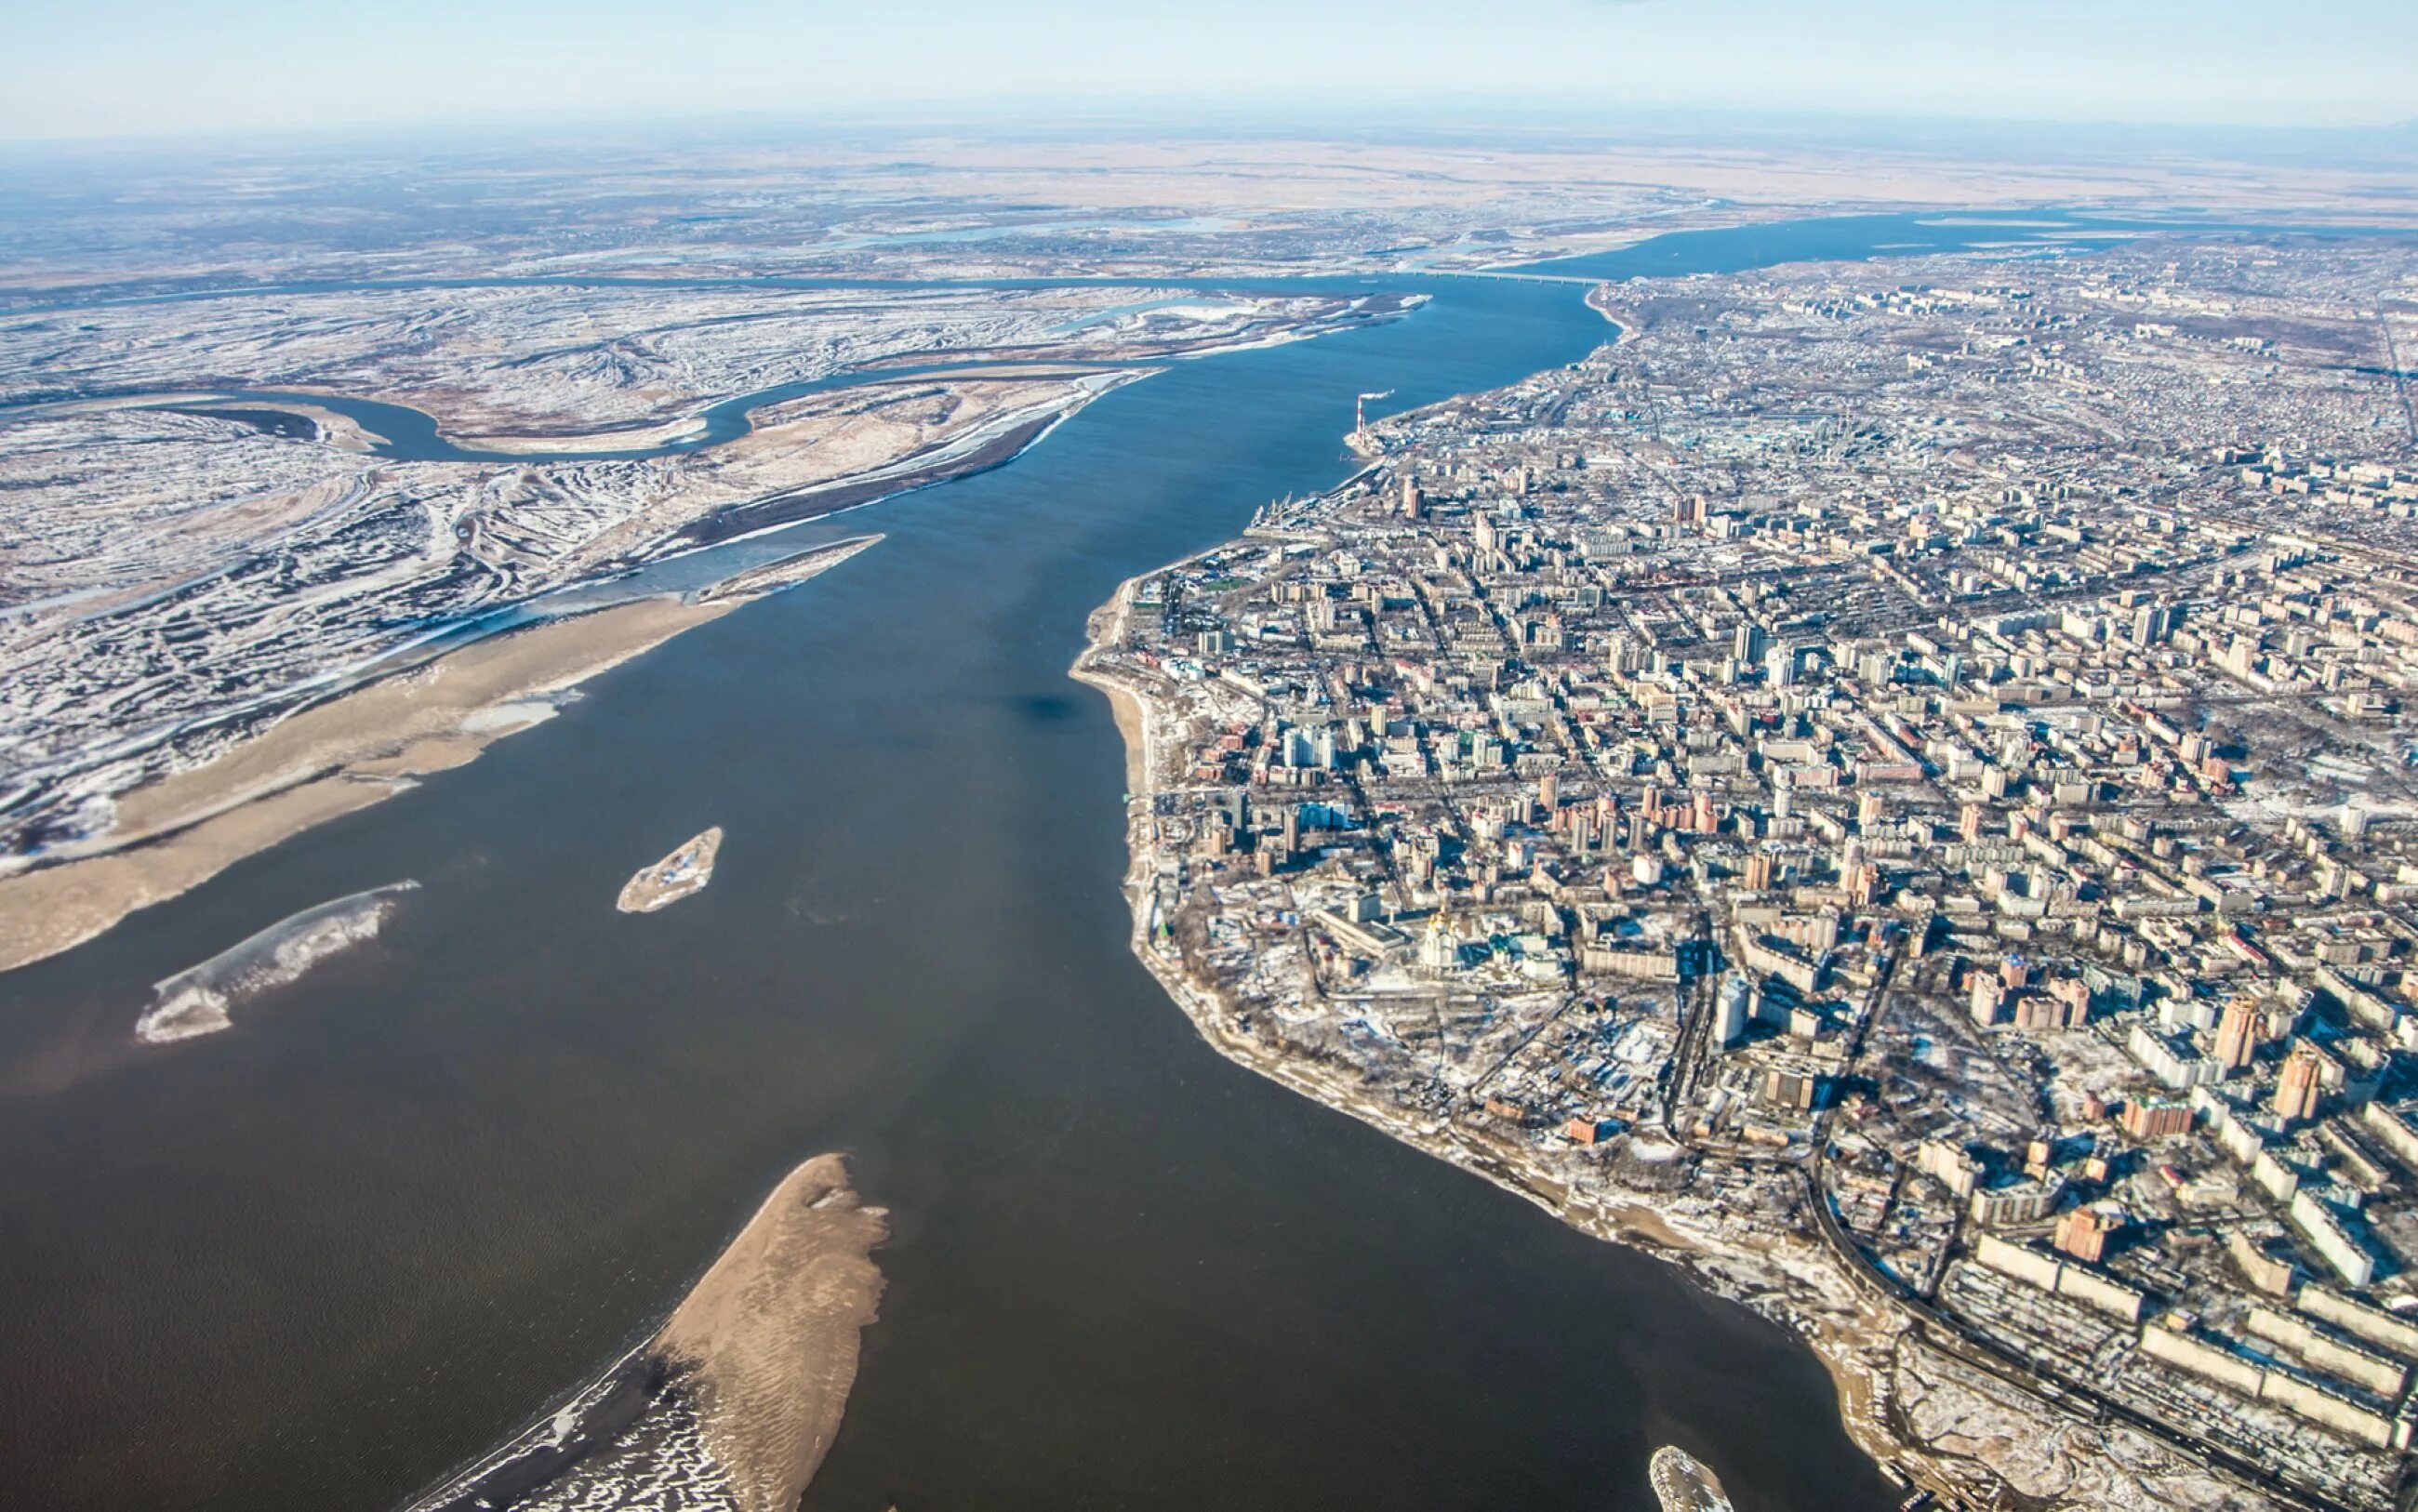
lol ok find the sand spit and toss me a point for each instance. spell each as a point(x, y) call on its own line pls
point(733, 1404)
point(197, 1001)
point(573, 442)
point(772, 1333)
point(351, 751)
point(686, 870)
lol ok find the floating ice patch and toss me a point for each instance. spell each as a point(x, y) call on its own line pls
point(506, 718)
point(197, 1001)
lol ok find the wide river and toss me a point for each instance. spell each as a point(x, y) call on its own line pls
point(407, 1204)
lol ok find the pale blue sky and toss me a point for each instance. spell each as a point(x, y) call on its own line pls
point(119, 68)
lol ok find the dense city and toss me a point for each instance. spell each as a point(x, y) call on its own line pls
point(1888, 785)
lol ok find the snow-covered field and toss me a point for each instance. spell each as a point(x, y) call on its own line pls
point(173, 580)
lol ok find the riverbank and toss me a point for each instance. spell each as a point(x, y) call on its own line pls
point(165, 495)
point(358, 747)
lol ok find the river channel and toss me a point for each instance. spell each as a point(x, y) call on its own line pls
point(415, 1198)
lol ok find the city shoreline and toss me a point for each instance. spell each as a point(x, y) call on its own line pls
point(1636, 1226)
point(1873, 1353)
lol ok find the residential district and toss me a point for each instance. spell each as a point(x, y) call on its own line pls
point(1888, 784)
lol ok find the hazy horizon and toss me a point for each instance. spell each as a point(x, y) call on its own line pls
point(143, 70)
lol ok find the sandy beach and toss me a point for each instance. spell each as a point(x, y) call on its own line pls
point(771, 1333)
point(1131, 719)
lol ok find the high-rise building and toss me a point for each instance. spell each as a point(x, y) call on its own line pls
point(1950, 1164)
point(2084, 1233)
point(1747, 644)
point(2146, 1119)
point(1732, 1008)
point(1863, 885)
point(2297, 1089)
point(1988, 996)
point(2238, 1034)
point(2072, 998)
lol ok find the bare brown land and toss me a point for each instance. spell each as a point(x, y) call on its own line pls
point(772, 1333)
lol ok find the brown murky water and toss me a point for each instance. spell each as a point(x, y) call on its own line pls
point(416, 1199)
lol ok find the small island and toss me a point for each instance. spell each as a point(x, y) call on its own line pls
point(1682, 1484)
point(686, 870)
